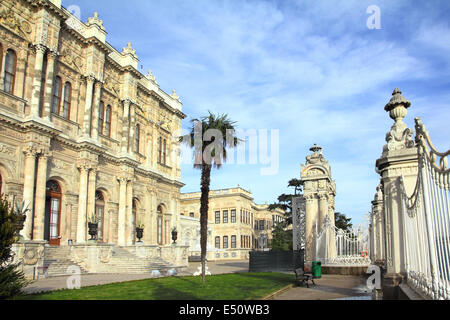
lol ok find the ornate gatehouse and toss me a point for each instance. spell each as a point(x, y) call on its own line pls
point(85, 139)
point(313, 219)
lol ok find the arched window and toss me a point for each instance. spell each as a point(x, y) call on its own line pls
point(100, 212)
point(160, 150)
point(136, 138)
point(52, 213)
point(108, 121)
point(65, 112)
point(164, 152)
point(101, 115)
point(10, 71)
point(159, 224)
point(56, 99)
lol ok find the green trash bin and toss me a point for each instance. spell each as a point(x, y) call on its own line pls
point(317, 269)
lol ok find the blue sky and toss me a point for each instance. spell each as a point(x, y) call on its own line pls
point(311, 69)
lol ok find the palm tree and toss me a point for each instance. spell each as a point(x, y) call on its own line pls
point(209, 137)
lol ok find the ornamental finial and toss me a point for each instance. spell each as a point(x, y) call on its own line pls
point(95, 20)
point(129, 50)
point(316, 149)
point(396, 100)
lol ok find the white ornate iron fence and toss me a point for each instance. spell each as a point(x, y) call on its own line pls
point(335, 246)
point(426, 221)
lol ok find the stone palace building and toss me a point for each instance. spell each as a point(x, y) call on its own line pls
point(82, 131)
point(236, 224)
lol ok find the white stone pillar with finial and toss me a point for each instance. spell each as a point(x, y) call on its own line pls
point(399, 158)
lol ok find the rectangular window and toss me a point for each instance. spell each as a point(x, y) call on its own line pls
point(233, 241)
point(233, 216)
point(218, 242)
point(225, 242)
point(261, 224)
point(191, 214)
point(217, 217)
point(225, 216)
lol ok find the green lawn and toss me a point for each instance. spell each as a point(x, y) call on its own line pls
point(235, 286)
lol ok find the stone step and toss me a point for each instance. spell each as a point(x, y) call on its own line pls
point(122, 261)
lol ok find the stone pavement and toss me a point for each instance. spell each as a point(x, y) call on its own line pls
point(330, 287)
point(56, 283)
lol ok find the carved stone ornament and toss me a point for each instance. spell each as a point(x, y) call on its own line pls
point(12, 21)
point(72, 59)
point(400, 136)
point(95, 21)
point(32, 255)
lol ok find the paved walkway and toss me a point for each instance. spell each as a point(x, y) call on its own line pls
point(56, 283)
point(330, 287)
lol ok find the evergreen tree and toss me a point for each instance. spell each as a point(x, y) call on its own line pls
point(282, 238)
point(12, 280)
point(342, 222)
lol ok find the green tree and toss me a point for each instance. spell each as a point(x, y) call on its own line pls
point(210, 136)
point(342, 222)
point(12, 280)
point(281, 238)
point(285, 200)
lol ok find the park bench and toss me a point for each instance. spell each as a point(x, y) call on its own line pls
point(302, 277)
point(303, 273)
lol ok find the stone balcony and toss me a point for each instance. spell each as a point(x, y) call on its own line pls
point(12, 105)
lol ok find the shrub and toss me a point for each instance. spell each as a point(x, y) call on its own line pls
point(12, 280)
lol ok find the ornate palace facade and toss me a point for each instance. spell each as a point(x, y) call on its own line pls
point(82, 131)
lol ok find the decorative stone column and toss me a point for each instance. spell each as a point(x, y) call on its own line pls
point(96, 107)
point(49, 78)
point(28, 188)
point(323, 208)
point(2, 73)
point(399, 158)
point(377, 237)
point(88, 106)
point(91, 191)
point(41, 184)
point(129, 213)
point(310, 229)
point(121, 238)
point(132, 129)
point(37, 79)
point(82, 202)
point(125, 125)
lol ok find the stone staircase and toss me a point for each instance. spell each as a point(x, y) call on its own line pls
point(123, 261)
point(57, 260)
